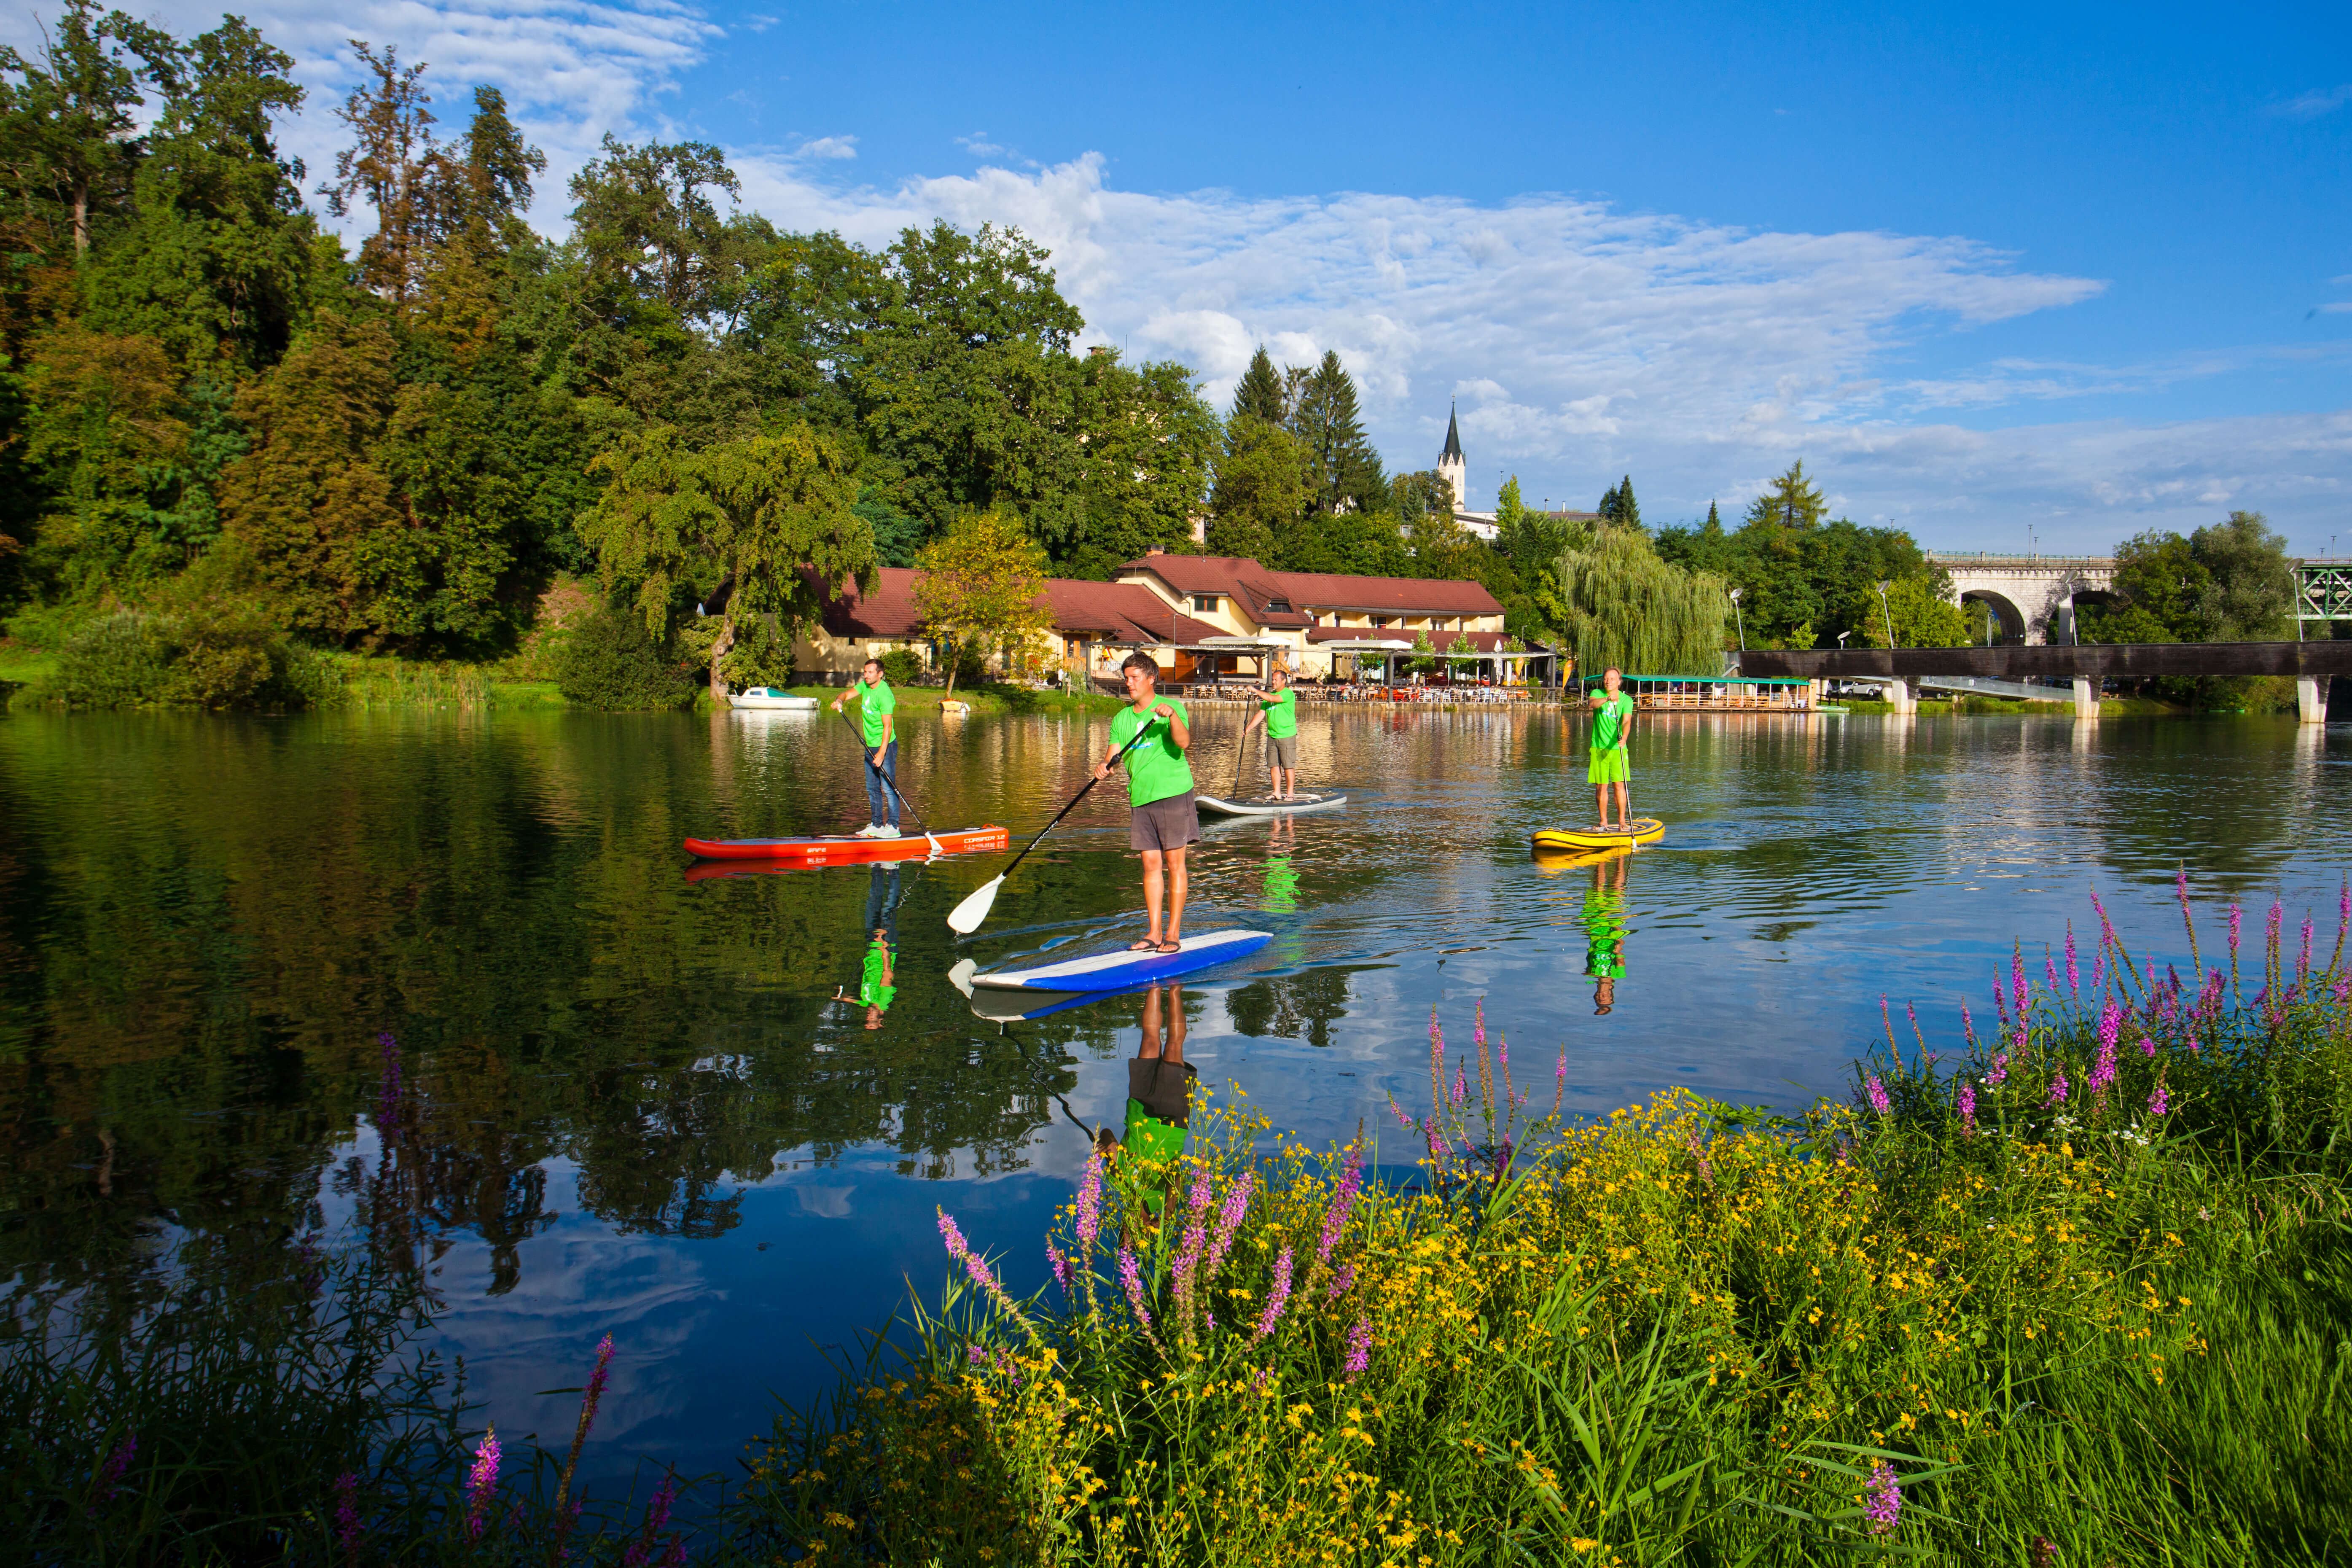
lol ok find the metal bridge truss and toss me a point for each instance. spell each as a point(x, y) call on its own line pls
point(2323, 591)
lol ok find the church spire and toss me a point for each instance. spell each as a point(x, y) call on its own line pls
point(1450, 464)
point(1452, 438)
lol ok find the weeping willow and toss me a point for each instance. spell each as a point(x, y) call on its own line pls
point(1626, 607)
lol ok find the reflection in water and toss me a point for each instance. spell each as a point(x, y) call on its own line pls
point(205, 922)
point(1159, 1103)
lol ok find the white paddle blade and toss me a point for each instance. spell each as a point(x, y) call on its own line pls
point(965, 918)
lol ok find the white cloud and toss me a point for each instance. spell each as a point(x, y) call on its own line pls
point(755, 23)
point(826, 148)
point(2314, 103)
point(978, 145)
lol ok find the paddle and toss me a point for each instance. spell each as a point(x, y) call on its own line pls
point(965, 918)
point(1241, 754)
point(887, 782)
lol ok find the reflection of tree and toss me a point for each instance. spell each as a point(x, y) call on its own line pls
point(1293, 1007)
point(203, 924)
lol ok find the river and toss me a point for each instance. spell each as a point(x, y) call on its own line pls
point(647, 1112)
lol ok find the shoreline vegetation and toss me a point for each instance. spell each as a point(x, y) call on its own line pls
point(2067, 1282)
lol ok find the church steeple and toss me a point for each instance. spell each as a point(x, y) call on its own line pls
point(1450, 464)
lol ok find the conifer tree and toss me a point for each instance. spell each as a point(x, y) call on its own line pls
point(1259, 395)
point(1343, 469)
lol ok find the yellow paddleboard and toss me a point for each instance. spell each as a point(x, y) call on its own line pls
point(1550, 860)
point(1647, 830)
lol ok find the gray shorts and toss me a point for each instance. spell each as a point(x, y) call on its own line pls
point(1284, 749)
point(1169, 824)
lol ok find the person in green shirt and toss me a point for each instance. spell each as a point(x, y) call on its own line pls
point(1161, 819)
point(877, 706)
point(1143, 1162)
point(1277, 709)
point(1604, 930)
point(878, 977)
point(1612, 726)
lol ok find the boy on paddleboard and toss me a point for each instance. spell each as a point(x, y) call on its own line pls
point(1277, 709)
point(876, 705)
point(1161, 819)
point(1612, 726)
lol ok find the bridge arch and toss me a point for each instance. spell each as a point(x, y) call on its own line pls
point(2040, 589)
point(2007, 628)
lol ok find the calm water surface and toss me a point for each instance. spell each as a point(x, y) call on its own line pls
point(643, 1109)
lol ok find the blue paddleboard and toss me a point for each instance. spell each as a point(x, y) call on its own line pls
point(1118, 971)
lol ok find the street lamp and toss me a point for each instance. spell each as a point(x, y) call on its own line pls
point(1887, 613)
point(1738, 620)
point(1842, 637)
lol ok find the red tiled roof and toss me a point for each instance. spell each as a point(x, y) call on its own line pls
point(1120, 612)
point(1307, 590)
point(1480, 642)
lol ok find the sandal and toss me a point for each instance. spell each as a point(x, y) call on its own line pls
point(1147, 946)
point(1166, 948)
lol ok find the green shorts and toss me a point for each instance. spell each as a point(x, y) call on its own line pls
point(1611, 766)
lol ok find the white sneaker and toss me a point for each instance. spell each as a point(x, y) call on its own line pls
point(884, 830)
point(871, 830)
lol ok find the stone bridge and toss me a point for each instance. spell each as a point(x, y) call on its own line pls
point(2032, 596)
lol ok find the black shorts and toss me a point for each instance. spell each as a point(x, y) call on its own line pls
point(1169, 824)
point(1162, 1087)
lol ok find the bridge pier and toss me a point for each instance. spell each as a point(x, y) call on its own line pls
point(1898, 697)
point(2086, 698)
point(2311, 698)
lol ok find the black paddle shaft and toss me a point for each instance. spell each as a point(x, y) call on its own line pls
point(1065, 811)
point(887, 782)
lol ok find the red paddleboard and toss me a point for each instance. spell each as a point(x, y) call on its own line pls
point(848, 849)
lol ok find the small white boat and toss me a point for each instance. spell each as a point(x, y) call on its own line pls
point(768, 696)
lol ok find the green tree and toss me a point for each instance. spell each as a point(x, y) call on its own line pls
point(1627, 607)
point(979, 587)
point(1922, 617)
point(69, 119)
point(391, 167)
point(1260, 393)
point(1617, 508)
point(1146, 439)
point(2249, 590)
point(763, 525)
point(1263, 488)
point(1792, 501)
point(2159, 585)
point(1343, 471)
point(649, 226)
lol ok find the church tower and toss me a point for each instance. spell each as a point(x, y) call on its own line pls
point(1450, 465)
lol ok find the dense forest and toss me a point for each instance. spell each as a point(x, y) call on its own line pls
point(234, 449)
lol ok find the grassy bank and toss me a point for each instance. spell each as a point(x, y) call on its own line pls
point(2073, 1288)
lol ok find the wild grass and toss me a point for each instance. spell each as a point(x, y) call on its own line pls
point(1972, 1317)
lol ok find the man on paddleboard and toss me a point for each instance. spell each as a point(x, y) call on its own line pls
point(1612, 726)
point(876, 707)
point(1161, 819)
point(1277, 709)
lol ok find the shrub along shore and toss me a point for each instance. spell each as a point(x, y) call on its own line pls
point(2073, 1286)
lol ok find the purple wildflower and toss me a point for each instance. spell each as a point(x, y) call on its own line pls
point(2050, 968)
point(1968, 1107)
point(1130, 1275)
point(2237, 918)
point(1343, 1280)
point(1343, 1203)
point(2073, 975)
point(640, 1552)
point(1090, 1191)
point(347, 1514)
point(2111, 1023)
point(2303, 964)
point(2147, 1046)
point(2159, 1102)
point(1276, 1299)
point(1229, 1217)
point(1404, 1120)
point(975, 1266)
point(1877, 1092)
point(973, 1356)
point(1359, 1348)
point(1998, 1074)
point(1885, 1499)
point(2098, 971)
point(2017, 978)
point(1059, 1264)
point(1461, 1084)
point(110, 1474)
point(481, 1481)
point(2057, 1088)
point(1967, 1027)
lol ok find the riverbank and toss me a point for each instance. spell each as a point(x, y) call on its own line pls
point(2069, 1284)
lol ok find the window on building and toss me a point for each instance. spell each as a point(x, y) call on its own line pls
point(1380, 620)
point(1205, 603)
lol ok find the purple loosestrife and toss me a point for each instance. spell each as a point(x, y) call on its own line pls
point(1407, 1122)
point(1998, 1073)
point(1229, 1219)
point(1343, 1203)
point(2098, 972)
point(1090, 1192)
point(976, 1268)
point(1877, 1093)
point(2073, 973)
point(1967, 1027)
point(1360, 1349)
point(640, 1552)
point(2302, 963)
point(347, 1515)
point(1343, 1280)
point(2057, 1088)
point(1460, 1085)
point(2237, 919)
point(2111, 1023)
point(1559, 1083)
point(110, 1474)
point(481, 1482)
point(2159, 1102)
point(1277, 1296)
point(1060, 1266)
point(2147, 1046)
point(1436, 1063)
point(590, 1398)
point(1882, 1499)
point(2017, 992)
point(1968, 1107)
point(1130, 1275)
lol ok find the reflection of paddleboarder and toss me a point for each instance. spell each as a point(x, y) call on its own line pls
point(1608, 763)
point(1604, 930)
point(877, 981)
point(1159, 1103)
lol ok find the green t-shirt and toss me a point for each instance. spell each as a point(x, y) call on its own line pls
point(1156, 768)
point(1608, 721)
point(876, 703)
point(1281, 711)
point(873, 990)
point(1604, 934)
point(1281, 885)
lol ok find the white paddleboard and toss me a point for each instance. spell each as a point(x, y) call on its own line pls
point(1265, 805)
point(1118, 971)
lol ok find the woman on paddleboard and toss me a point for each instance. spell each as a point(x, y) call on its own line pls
point(1161, 818)
point(1612, 726)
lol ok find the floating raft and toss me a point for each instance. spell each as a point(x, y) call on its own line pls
point(1118, 971)
point(848, 849)
point(1266, 806)
point(1645, 830)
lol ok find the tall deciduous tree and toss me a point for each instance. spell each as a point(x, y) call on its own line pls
point(979, 586)
point(648, 221)
point(1145, 440)
point(1791, 500)
point(68, 119)
point(1628, 608)
point(762, 525)
point(391, 167)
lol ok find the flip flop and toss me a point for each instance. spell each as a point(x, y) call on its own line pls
point(1145, 946)
point(1168, 947)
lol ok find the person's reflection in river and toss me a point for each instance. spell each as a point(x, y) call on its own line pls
point(1159, 1108)
point(1604, 929)
point(877, 980)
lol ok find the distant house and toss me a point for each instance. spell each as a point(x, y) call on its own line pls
point(1197, 616)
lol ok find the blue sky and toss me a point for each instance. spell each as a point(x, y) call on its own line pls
point(2087, 269)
